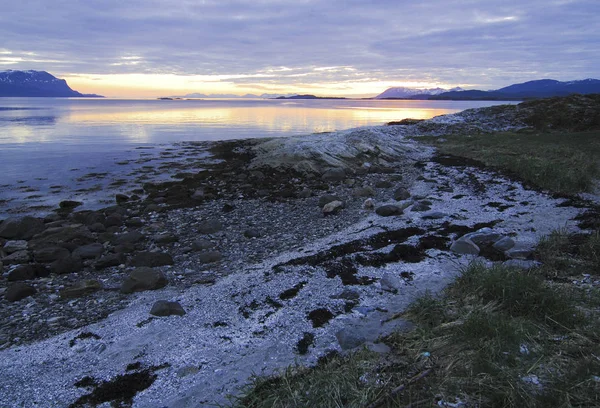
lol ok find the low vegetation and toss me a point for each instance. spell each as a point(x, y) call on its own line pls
point(564, 162)
point(496, 337)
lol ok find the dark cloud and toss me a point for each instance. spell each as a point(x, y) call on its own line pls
point(486, 43)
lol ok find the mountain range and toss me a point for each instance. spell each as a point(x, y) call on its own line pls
point(542, 88)
point(37, 84)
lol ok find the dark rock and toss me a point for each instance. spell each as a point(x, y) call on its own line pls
point(504, 244)
point(334, 175)
point(50, 254)
point(131, 237)
point(21, 228)
point(320, 317)
point(388, 210)
point(76, 234)
point(14, 246)
point(165, 308)
point(383, 184)
point(113, 220)
point(121, 198)
point(28, 271)
point(134, 222)
point(69, 204)
point(347, 294)
point(305, 193)
point(19, 257)
point(326, 199)
point(165, 238)
point(18, 291)
point(80, 289)
point(401, 194)
point(363, 192)
point(227, 208)
point(420, 206)
point(210, 227)
point(465, 246)
point(97, 227)
point(110, 260)
point(152, 259)
point(90, 251)
point(252, 233)
point(209, 257)
point(202, 244)
point(143, 278)
point(66, 265)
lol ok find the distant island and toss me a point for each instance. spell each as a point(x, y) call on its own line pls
point(308, 97)
point(36, 84)
point(542, 88)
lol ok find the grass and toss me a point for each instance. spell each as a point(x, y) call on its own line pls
point(496, 337)
point(565, 162)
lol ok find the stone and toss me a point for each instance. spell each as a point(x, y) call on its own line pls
point(114, 220)
point(110, 260)
point(504, 244)
point(252, 233)
point(90, 251)
point(521, 264)
point(464, 246)
point(165, 238)
point(121, 198)
point(97, 227)
point(202, 244)
point(19, 257)
point(327, 198)
point(305, 193)
point(227, 208)
point(69, 204)
point(209, 257)
point(143, 278)
point(81, 289)
point(383, 184)
point(152, 259)
point(21, 228)
point(337, 174)
point(27, 272)
point(210, 226)
point(388, 210)
point(390, 282)
point(18, 291)
point(420, 206)
point(14, 246)
point(349, 339)
point(76, 234)
point(50, 254)
point(369, 204)
point(165, 308)
point(131, 237)
point(484, 236)
point(66, 265)
point(401, 194)
point(134, 222)
point(363, 192)
point(332, 208)
point(433, 215)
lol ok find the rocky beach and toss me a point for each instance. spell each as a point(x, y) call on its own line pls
point(261, 254)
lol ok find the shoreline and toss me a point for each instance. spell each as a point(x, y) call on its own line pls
point(263, 217)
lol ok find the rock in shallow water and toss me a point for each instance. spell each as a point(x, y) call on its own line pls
point(165, 308)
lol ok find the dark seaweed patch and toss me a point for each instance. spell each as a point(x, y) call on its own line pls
point(133, 366)
point(346, 271)
point(319, 317)
point(446, 228)
point(499, 206)
point(272, 302)
point(305, 342)
point(292, 292)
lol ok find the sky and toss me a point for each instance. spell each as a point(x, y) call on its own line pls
point(149, 48)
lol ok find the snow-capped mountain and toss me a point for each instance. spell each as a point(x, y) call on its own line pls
point(403, 92)
point(34, 83)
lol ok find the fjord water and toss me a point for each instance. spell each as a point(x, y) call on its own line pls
point(48, 142)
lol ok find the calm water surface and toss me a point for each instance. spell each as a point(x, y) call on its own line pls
point(55, 141)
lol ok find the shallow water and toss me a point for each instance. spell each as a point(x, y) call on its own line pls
point(87, 145)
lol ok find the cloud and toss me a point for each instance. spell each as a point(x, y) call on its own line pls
point(278, 42)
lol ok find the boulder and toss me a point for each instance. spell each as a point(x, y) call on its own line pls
point(18, 291)
point(388, 210)
point(420, 206)
point(401, 194)
point(464, 246)
point(80, 289)
point(504, 244)
point(50, 254)
point(363, 192)
point(165, 238)
point(165, 308)
point(131, 237)
point(113, 220)
point(21, 228)
point(337, 174)
point(209, 257)
point(14, 246)
point(202, 244)
point(19, 257)
point(332, 208)
point(90, 251)
point(143, 278)
point(484, 236)
point(152, 259)
point(75, 234)
point(110, 260)
point(326, 199)
point(27, 272)
point(66, 265)
point(210, 226)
